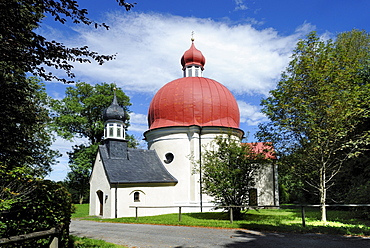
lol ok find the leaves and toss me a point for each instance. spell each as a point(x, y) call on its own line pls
point(80, 112)
point(24, 119)
point(228, 170)
point(22, 48)
point(317, 110)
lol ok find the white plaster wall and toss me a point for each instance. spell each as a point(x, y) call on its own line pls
point(267, 185)
point(184, 143)
point(99, 181)
point(149, 196)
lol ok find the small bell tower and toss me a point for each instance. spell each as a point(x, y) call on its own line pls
point(114, 121)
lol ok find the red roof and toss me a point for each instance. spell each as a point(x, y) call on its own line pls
point(193, 101)
point(193, 56)
point(263, 148)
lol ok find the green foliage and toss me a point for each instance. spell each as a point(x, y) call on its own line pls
point(24, 120)
point(47, 205)
point(15, 186)
point(228, 170)
point(24, 50)
point(81, 160)
point(318, 106)
point(79, 113)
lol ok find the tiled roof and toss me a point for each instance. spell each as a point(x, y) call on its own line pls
point(126, 165)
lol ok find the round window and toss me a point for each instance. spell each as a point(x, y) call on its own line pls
point(169, 157)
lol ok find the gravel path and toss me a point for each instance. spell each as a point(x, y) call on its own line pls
point(158, 236)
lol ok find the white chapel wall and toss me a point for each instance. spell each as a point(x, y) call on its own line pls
point(99, 182)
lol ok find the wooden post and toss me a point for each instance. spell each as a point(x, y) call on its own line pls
point(180, 217)
point(54, 243)
point(136, 213)
point(231, 216)
point(303, 217)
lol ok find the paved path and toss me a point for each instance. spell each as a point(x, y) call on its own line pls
point(157, 236)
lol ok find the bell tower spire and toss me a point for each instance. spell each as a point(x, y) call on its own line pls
point(193, 61)
point(114, 117)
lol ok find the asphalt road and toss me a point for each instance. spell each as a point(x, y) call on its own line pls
point(158, 236)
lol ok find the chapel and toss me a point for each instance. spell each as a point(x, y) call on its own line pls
point(184, 117)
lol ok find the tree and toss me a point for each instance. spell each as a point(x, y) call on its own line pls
point(23, 50)
point(79, 114)
point(228, 170)
point(81, 160)
point(25, 140)
point(24, 118)
point(318, 107)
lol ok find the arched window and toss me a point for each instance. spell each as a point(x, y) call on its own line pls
point(136, 196)
point(119, 131)
point(111, 130)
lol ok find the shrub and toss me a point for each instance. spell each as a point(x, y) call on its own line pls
point(47, 206)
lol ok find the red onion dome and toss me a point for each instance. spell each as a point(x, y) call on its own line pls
point(193, 101)
point(193, 57)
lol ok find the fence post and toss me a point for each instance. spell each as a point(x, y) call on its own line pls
point(180, 217)
point(136, 213)
point(231, 216)
point(303, 217)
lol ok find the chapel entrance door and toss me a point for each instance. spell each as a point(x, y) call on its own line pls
point(100, 197)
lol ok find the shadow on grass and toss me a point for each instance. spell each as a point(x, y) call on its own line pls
point(209, 216)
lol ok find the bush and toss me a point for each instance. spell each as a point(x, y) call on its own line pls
point(46, 207)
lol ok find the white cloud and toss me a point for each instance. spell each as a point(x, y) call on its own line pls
point(138, 118)
point(149, 48)
point(138, 123)
point(250, 114)
point(240, 5)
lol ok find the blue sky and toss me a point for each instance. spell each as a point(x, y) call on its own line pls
point(247, 44)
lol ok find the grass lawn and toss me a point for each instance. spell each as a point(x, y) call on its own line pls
point(269, 220)
point(78, 242)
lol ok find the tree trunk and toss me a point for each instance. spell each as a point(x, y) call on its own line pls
point(323, 195)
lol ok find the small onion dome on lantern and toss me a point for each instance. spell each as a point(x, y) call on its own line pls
point(114, 111)
point(193, 57)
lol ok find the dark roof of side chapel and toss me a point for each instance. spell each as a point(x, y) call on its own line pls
point(126, 165)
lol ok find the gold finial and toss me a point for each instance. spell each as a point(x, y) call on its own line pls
point(192, 36)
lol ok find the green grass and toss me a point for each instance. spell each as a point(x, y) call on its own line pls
point(270, 220)
point(77, 242)
point(81, 210)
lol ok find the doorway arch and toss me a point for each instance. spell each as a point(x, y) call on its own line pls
point(100, 197)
